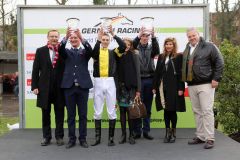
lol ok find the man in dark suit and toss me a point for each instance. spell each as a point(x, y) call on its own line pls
point(46, 81)
point(76, 83)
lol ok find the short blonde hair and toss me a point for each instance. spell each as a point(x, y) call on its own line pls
point(53, 30)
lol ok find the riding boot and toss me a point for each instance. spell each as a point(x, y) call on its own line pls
point(97, 132)
point(112, 124)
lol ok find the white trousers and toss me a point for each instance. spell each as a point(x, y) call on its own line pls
point(202, 98)
point(104, 87)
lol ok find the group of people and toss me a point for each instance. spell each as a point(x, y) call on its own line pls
point(60, 77)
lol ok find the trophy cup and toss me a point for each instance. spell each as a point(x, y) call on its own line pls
point(147, 24)
point(73, 24)
point(105, 24)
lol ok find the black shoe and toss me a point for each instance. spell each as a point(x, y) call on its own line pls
point(111, 142)
point(122, 139)
point(131, 140)
point(147, 136)
point(70, 145)
point(59, 142)
point(45, 142)
point(97, 142)
point(137, 136)
point(84, 144)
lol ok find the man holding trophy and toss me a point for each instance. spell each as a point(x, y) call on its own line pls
point(76, 82)
point(147, 52)
point(104, 85)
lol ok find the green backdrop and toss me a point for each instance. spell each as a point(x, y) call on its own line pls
point(33, 116)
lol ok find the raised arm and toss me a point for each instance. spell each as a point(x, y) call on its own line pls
point(155, 45)
point(95, 53)
point(121, 45)
point(62, 50)
point(136, 40)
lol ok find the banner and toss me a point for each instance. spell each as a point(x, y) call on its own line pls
point(36, 21)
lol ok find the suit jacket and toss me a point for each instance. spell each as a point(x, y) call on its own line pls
point(41, 72)
point(76, 65)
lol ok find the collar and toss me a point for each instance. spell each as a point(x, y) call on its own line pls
point(104, 49)
point(76, 47)
point(191, 46)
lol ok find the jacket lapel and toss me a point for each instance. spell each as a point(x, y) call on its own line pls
point(47, 56)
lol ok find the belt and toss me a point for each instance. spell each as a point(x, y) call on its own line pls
point(76, 84)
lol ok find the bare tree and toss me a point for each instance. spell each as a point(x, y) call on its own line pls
point(227, 20)
point(61, 2)
point(3, 14)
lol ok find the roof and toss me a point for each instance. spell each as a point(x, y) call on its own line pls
point(8, 55)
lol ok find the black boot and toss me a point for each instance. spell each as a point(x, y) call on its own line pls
point(167, 136)
point(131, 138)
point(111, 132)
point(173, 137)
point(123, 125)
point(98, 132)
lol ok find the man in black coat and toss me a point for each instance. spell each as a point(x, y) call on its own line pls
point(46, 80)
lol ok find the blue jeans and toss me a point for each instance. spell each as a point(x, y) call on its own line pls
point(143, 124)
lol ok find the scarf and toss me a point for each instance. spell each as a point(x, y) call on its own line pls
point(55, 50)
point(187, 66)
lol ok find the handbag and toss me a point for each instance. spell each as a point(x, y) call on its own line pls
point(137, 109)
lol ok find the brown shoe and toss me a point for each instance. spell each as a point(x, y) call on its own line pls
point(195, 140)
point(209, 144)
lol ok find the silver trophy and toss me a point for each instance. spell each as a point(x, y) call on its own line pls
point(73, 24)
point(105, 24)
point(147, 24)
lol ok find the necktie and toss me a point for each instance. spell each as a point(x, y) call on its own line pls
point(75, 51)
